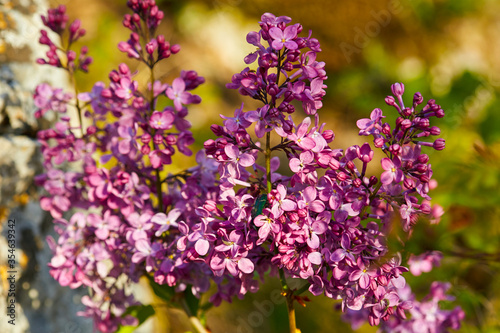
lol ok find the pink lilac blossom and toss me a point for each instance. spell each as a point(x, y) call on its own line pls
point(233, 218)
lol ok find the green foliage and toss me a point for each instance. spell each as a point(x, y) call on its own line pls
point(141, 312)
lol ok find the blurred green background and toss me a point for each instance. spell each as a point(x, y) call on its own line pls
point(448, 50)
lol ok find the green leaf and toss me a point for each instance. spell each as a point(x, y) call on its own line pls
point(192, 301)
point(164, 291)
point(141, 312)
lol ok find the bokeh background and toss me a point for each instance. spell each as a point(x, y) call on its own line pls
point(448, 50)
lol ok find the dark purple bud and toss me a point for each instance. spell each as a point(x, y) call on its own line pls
point(440, 113)
point(357, 182)
point(145, 149)
point(114, 76)
point(386, 129)
point(342, 176)
point(350, 165)
point(395, 149)
point(145, 138)
point(373, 181)
point(424, 178)
point(409, 183)
point(417, 99)
point(407, 112)
point(439, 144)
point(158, 139)
point(425, 208)
point(421, 168)
point(382, 280)
point(434, 130)
point(405, 124)
point(423, 158)
point(171, 139)
point(91, 130)
point(217, 129)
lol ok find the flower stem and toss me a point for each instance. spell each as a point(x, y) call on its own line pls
point(285, 289)
point(195, 322)
point(268, 162)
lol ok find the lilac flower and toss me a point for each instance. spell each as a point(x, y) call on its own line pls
point(161, 120)
point(372, 125)
point(178, 95)
point(239, 119)
point(425, 262)
point(166, 221)
point(392, 171)
point(284, 38)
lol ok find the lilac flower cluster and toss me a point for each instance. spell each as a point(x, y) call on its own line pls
point(238, 215)
point(425, 315)
point(110, 215)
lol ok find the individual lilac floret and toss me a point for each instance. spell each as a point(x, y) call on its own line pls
point(424, 262)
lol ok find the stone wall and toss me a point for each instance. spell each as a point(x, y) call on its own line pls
point(41, 305)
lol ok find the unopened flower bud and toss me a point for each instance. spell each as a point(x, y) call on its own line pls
point(389, 100)
point(386, 129)
point(425, 208)
point(145, 149)
point(328, 135)
point(217, 129)
point(398, 89)
point(342, 176)
point(379, 142)
point(423, 158)
point(302, 213)
point(417, 99)
point(334, 164)
point(357, 182)
point(106, 93)
point(382, 280)
point(434, 130)
point(210, 205)
point(373, 181)
point(407, 112)
point(395, 149)
point(175, 48)
point(409, 183)
point(293, 216)
point(91, 130)
point(421, 168)
point(171, 139)
point(439, 144)
point(440, 113)
point(158, 139)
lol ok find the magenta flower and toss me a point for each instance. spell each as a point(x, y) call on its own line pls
point(371, 126)
point(284, 38)
point(166, 221)
point(178, 95)
point(392, 171)
point(162, 120)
